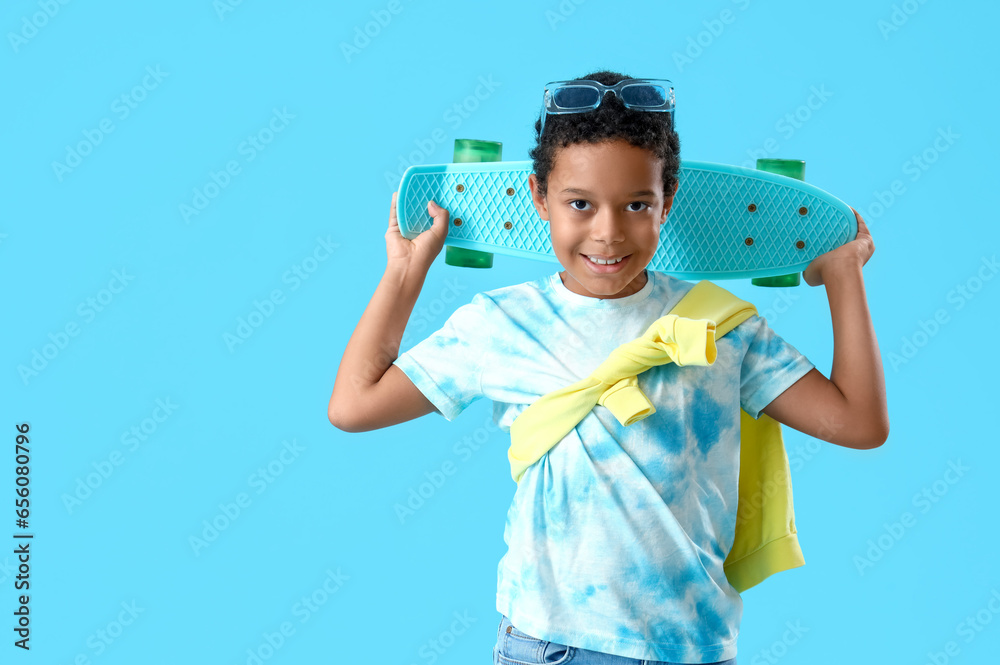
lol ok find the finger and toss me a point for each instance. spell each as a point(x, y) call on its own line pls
point(866, 234)
point(439, 227)
point(862, 227)
point(437, 212)
point(393, 221)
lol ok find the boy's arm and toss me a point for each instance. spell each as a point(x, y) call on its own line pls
point(369, 391)
point(849, 408)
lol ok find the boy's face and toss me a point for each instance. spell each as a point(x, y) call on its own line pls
point(616, 211)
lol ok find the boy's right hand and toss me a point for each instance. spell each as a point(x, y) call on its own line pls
point(421, 251)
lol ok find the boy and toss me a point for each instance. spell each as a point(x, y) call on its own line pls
point(617, 535)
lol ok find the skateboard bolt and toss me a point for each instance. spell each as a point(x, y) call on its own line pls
point(748, 241)
point(458, 221)
point(510, 191)
point(459, 188)
point(799, 244)
point(752, 207)
point(508, 225)
point(803, 210)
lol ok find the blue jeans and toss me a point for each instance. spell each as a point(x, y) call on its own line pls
point(515, 647)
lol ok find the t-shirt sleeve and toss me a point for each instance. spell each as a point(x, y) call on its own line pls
point(447, 366)
point(770, 366)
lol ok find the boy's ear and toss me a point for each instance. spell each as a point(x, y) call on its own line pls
point(537, 198)
point(669, 203)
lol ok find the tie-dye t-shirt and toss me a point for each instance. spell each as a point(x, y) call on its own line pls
point(617, 536)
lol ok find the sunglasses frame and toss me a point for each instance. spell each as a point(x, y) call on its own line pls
point(549, 106)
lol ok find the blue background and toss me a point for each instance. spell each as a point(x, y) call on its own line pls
point(893, 78)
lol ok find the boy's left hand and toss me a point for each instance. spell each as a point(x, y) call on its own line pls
point(854, 252)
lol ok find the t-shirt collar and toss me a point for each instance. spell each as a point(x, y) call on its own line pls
point(555, 282)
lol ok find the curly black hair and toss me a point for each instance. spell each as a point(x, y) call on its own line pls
point(609, 121)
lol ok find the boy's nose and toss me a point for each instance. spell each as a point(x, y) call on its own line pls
point(606, 228)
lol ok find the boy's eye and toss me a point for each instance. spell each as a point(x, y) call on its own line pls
point(585, 203)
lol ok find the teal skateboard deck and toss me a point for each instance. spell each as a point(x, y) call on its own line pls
point(727, 222)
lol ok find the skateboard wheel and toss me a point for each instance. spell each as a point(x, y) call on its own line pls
point(792, 168)
point(471, 150)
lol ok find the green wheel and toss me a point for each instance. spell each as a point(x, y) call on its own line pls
point(471, 150)
point(793, 168)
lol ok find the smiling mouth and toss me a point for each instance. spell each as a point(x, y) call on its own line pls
point(609, 261)
point(607, 268)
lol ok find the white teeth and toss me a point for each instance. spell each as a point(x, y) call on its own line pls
point(603, 262)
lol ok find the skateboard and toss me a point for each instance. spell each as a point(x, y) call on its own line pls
point(726, 222)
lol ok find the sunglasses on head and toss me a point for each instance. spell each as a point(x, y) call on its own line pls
point(582, 95)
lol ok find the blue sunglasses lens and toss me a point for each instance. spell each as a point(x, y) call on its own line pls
point(644, 95)
point(575, 97)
